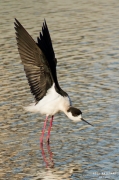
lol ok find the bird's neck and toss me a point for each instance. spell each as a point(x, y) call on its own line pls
point(65, 110)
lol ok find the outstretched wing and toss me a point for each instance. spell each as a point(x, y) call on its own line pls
point(45, 44)
point(34, 59)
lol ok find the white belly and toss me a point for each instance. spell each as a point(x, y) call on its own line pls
point(50, 104)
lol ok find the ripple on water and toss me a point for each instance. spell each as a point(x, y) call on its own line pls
point(85, 39)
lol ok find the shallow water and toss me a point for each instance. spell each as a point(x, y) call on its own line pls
point(85, 37)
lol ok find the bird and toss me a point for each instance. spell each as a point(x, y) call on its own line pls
point(39, 61)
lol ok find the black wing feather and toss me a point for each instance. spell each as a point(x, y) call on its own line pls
point(35, 63)
point(45, 44)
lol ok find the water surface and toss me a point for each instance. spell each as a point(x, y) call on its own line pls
point(85, 37)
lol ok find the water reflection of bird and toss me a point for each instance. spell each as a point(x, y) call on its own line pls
point(40, 67)
point(47, 155)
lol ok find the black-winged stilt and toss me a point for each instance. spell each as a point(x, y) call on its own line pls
point(40, 67)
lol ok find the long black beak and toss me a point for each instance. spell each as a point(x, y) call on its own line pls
point(86, 121)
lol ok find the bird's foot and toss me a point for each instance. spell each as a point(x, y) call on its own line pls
point(41, 143)
point(48, 140)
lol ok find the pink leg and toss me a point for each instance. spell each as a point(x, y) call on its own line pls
point(43, 131)
point(43, 155)
point(47, 156)
point(49, 129)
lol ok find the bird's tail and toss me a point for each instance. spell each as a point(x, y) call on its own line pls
point(31, 108)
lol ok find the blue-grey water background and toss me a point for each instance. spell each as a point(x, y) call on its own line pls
point(85, 36)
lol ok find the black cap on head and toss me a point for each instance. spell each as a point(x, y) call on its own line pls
point(75, 112)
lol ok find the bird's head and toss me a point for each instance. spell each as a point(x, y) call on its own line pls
point(75, 115)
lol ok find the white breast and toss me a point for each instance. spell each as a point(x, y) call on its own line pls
point(51, 103)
